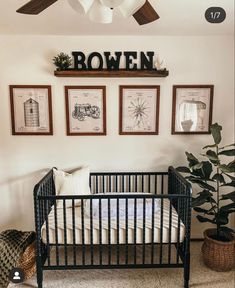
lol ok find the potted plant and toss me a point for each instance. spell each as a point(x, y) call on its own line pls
point(62, 61)
point(214, 205)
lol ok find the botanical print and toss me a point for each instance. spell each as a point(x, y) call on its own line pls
point(85, 110)
point(31, 110)
point(139, 110)
point(192, 109)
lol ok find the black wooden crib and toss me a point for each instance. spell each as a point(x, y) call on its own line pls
point(142, 221)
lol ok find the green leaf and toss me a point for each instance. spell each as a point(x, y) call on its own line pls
point(204, 219)
point(227, 230)
point(183, 169)
point(192, 178)
point(207, 169)
point(201, 210)
point(231, 184)
point(216, 132)
point(228, 207)
point(227, 169)
point(198, 201)
point(212, 209)
point(197, 166)
point(203, 184)
point(230, 176)
point(231, 211)
point(191, 159)
point(211, 155)
point(204, 197)
point(231, 165)
point(230, 152)
point(210, 146)
point(203, 173)
point(219, 177)
point(222, 218)
point(230, 196)
point(231, 145)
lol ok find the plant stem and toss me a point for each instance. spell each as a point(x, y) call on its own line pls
point(218, 192)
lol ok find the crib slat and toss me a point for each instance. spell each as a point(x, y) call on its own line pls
point(170, 227)
point(116, 183)
point(97, 184)
point(135, 229)
point(118, 231)
point(100, 230)
point(126, 248)
point(136, 184)
point(103, 183)
point(91, 231)
point(178, 233)
point(47, 234)
point(161, 231)
point(155, 182)
point(123, 184)
point(144, 214)
point(109, 231)
point(153, 226)
point(142, 179)
point(56, 234)
point(110, 184)
point(83, 233)
point(74, 236)
point(149, 183)
point(65, 234)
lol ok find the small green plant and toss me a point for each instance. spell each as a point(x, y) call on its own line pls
point(210, 202)
point(62, 61)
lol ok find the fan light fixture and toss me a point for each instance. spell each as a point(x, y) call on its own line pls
point(100, 11)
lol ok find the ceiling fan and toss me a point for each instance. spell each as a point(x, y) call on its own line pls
point(100, 11)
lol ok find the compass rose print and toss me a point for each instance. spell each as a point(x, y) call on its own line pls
point(138, 111)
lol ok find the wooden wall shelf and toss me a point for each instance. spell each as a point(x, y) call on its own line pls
point(111, 73)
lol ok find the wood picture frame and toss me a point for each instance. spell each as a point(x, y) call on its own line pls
point(31, 110)
point(139, 109)
point(85, 110)
point(192, 109)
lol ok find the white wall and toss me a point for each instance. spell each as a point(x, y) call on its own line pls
point(27, 60)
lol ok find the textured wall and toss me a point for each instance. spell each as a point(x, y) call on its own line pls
point(27, 60)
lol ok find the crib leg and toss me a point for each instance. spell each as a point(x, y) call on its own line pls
point(186, 270)
point(39, 273)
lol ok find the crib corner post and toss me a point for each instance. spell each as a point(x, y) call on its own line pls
point(186, 270)
point(39, 271)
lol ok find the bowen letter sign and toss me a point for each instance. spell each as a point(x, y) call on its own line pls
point(96, 61)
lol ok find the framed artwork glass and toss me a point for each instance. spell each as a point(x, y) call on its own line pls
point(31, 110)
point(85, 110)
point(192, 109)
point(139, 110)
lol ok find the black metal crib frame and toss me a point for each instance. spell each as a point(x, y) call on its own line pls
point(169, 185)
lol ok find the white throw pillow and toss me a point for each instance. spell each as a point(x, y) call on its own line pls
point(76, 183)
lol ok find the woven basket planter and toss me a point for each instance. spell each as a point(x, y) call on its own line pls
point(218, 255)
point(28, 261)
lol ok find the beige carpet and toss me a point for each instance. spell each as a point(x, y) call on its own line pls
point(201, 277)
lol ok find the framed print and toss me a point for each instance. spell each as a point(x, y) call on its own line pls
point(31, 110)
point(85, 110)
point(139, 110)
point(192, 109)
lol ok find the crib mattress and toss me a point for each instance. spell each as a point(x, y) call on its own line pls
point(142, 233)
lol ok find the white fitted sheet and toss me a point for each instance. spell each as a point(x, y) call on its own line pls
point(140, 231)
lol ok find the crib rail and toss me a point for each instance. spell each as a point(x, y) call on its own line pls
point(137, 231)
point(149, 182)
